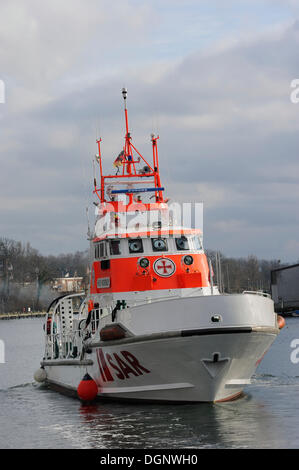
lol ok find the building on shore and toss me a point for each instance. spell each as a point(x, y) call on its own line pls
point(68, 284)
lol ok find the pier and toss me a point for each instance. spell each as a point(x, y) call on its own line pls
point(13, 316)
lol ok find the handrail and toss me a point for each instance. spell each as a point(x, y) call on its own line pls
point(263, 294)
point(62, 345)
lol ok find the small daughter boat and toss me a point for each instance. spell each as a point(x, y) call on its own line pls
point(152, 325)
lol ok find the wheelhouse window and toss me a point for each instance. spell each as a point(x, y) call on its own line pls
point(182, 243)
point(159, 244)
point(114, 247)
point(197, 243)
point(100, 250)
point(135, 245)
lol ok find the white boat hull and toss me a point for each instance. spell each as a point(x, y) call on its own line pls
point(205, 362)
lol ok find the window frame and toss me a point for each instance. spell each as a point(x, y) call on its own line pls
point(186, 239)
point(196, 239)
point(133, 252)
point(158, 249)
point(117, 242)
point(101, 250)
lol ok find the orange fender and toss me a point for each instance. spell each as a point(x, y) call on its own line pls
point(280, 321)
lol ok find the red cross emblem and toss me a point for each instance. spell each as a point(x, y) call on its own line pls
point(164, 267)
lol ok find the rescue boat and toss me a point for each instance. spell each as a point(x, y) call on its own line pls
point(153, 326)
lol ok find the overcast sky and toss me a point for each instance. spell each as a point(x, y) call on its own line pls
point(211, 77)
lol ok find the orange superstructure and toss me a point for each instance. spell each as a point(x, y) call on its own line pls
point(126, 274)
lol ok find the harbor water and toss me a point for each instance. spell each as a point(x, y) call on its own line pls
point(32, 416)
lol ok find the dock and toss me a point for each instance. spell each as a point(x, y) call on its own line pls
point(13, 316)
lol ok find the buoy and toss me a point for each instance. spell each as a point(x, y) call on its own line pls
point(87, 389)
point(40, 375)
point(280, 321)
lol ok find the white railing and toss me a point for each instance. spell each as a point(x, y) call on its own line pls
point(64, 345)
point(63, 339)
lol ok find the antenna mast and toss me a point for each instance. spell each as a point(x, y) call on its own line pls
point(126, 160)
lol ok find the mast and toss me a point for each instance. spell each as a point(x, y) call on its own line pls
point(101, 169)
point(125, 92)
point(128, 154)
point(127, 164)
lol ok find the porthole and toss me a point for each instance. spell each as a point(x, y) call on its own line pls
point(188, 260)
point(144, 262)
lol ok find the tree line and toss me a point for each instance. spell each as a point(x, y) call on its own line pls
point(26, 276)
point(235, 275)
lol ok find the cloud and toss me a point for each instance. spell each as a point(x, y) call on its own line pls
point(228, 131)
point(43, 43)
point(40, 42)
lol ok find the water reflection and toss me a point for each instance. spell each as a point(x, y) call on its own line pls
point(33, 416)
point(232, 424)
point(264, 418)
point(145, 426)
